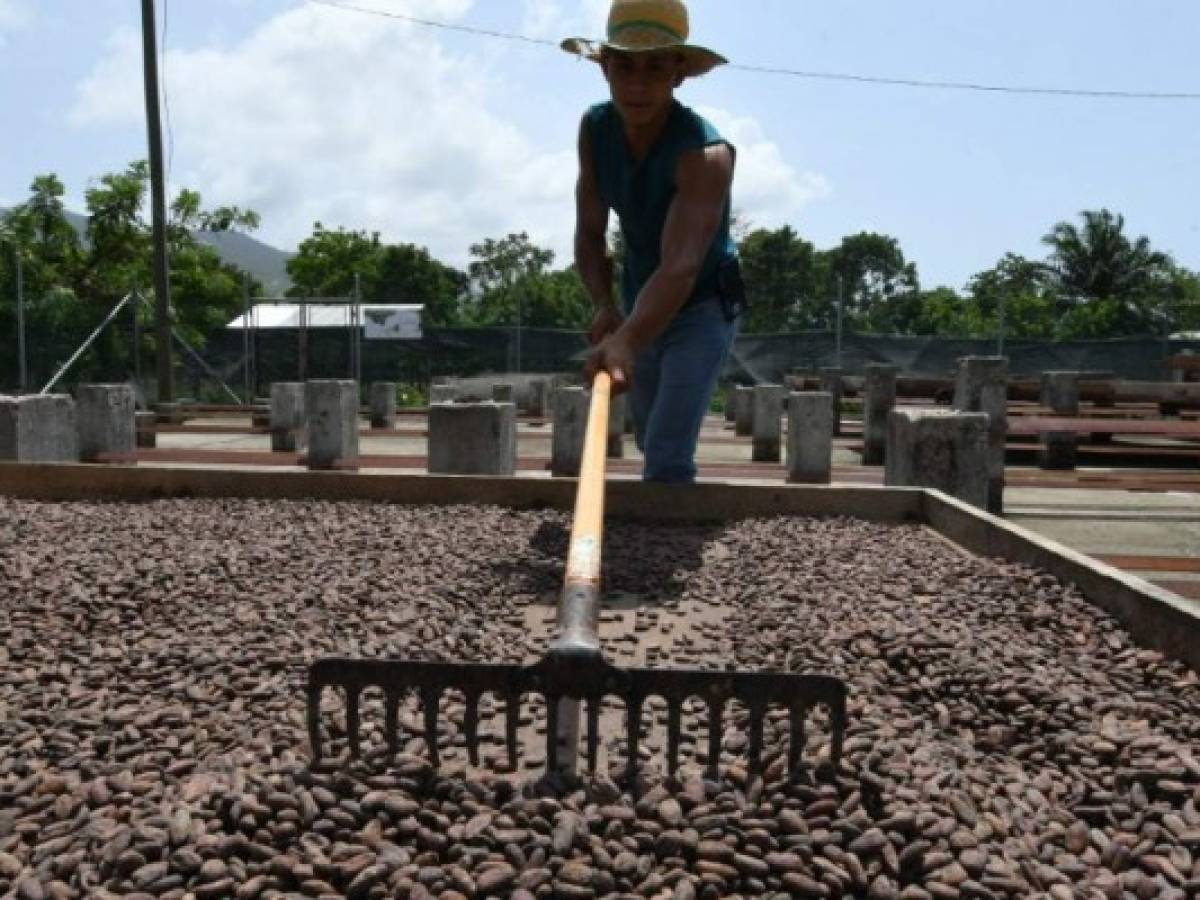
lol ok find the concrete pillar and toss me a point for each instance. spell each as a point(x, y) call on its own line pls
point(331, 414)
point(288, 423)
point(473, 439)
point(504, 392)
point(744, 411)
point(616, 427)
point(1060, 393)
point(942, 449)
point(144, 433)
point(107, 428)
point(381, 400)
point(810, 438)
point(539, 391)
point(38, 429)
point(1182, 375)
point(879, 399)
point(831, 384)
point(982, 386)
point(767, 422)
point(570, 426)
point(731, 403)
point(442, 393)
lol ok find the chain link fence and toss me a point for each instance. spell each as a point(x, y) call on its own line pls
point(233, 362)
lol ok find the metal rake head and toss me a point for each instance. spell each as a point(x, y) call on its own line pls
point(586, 677)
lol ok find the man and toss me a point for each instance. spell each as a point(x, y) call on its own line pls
point(667, 174)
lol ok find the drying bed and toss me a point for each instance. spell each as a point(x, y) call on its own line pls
point(1007, 738)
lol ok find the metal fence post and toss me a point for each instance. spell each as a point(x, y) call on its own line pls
point(1001, 324)
point(137, 337)
point(246, 337)
point(840, 304)
point(356, 332)
point(22, 373)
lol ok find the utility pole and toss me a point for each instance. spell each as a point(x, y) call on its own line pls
point(22, 379)
point(158, 201)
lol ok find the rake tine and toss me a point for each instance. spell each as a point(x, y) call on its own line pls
point(796, 739)
point(757, 711)
point(391, 721)
point(430, 698)
point(593, 732)
point(674, 714)
point(634, 724)
point(471, 727)
point(551, 732)
point(837, 721)
point(714, 737)
point(512, 711)
point(352, 720)
point(314, 724)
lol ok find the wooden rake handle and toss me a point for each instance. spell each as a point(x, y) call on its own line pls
point(579, 605)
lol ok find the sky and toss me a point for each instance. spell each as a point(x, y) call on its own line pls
point(441, 138)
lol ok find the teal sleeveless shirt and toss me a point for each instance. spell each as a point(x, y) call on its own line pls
point(641, 193)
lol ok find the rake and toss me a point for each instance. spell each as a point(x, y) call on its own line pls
point(574, 671)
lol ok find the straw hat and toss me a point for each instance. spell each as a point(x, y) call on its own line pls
point(639, 26)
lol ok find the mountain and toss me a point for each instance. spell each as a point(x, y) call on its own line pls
point(266, 263)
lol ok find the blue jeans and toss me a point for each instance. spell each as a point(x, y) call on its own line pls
point(673, 383)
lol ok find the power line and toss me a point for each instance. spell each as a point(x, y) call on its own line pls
point(431, 23)
point(971, 86)
point(928, 84)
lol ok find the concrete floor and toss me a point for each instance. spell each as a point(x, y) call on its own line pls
point(1145, 524)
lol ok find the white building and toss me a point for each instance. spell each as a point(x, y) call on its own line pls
point(379, 321)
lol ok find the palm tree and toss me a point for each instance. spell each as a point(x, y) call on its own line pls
point(1098, 262)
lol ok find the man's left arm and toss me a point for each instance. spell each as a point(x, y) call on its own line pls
point(703, 181)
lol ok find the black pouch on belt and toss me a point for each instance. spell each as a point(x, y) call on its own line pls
point(731, 289)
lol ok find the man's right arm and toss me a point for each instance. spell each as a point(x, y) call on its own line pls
point(591, 243)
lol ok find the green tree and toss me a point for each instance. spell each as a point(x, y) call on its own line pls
point(881, 288)
point(405, 273)
point(554, 300)
point(498, 267)
point(119, 241)
point(943, 311)
point(1183, 301)
point(189, 215)
point(1023, 290)
point(1097, 264)
point(41, 233)
point(784, 282)
point(205, 292)
point(327, 261)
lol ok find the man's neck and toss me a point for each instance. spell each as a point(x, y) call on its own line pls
point(640, 138)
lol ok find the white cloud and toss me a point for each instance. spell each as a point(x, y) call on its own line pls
point(14, 14)
point(548, 19)
point(372, 123)
point(352, 120)
point(768, 191)
point(110, 95)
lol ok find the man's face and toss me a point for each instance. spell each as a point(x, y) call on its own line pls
point(642, 84)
